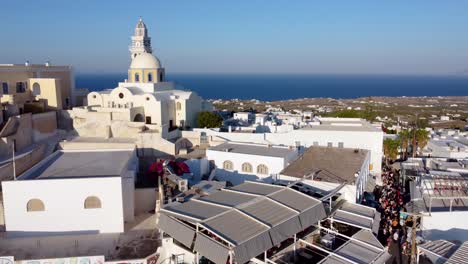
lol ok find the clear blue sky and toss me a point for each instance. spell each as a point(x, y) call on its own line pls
point(269, 36)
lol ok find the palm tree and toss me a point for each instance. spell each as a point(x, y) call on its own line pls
point(422, 137)
point(404, 136)
point(390, 147)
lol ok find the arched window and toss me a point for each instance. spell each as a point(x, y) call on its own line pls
point(137, 77)
point(92, 202)
point(178, 106)
point(150, 77)
point(139, 118)
point(227, 165)
point(35, 205)
point(246, 167)
point(36, 89)
point(262, 169)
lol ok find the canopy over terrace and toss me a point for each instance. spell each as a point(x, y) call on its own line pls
point(361, 248)
point(357, 215)
point(446, 188)
point(241, 222)
point(460, 255)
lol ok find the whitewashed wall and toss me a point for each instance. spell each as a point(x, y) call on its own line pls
point(64, 205)
point(372, 141)
point(236, 176)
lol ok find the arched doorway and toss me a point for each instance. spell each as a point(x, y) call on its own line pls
point(139, 118)
point(36, 89)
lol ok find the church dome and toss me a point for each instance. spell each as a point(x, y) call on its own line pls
point(145, 61)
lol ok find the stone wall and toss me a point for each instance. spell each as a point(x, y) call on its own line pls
point(22, 138)
point(145, 200)
point(44, 125)
point(22, 163)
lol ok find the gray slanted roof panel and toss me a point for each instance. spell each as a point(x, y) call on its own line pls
point(213, 250)
point(334, 260)
point(367, 237)
point(228, 198)
point(358, 209)
point(376, 223)
point(196, 209)
point(358, 252)
point(235, 226)
point(256, 188)
point(285, 230)
point(383, 258)
point(294, 199)
point(253, 247)
point(460, 256)
point(343, 216)
point(179, 231)
point(312, 215)
point(442, 248)
point(267, 211)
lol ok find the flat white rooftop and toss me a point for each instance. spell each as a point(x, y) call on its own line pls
point(254, 149)
point(343, 124)
point(80, 164)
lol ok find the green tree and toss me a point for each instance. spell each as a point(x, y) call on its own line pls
point(422, 137)
point(404, 141)
point(390, 148)
point(209, 119)
point(369, 113)
point(348, 113)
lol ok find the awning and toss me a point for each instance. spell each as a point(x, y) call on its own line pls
point(211, 249)
point(178, 230)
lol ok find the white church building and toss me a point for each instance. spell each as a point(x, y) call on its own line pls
point(145, 98)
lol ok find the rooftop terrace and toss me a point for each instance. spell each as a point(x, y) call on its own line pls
point(336, 165)
point(254, 149)
point(80, 164)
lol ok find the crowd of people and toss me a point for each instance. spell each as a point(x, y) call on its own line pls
point(391, 198)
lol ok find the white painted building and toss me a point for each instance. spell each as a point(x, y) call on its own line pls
point(73, 191)
point(238, 162)
point(244, 116)
point(446, 148)
point(145, 97)
point(333, 132)
point(447, 143)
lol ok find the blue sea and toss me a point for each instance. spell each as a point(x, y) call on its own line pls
point(290, 86)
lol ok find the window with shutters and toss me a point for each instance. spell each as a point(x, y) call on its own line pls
point(227, 165)
point(262, 169)
point(247, 167)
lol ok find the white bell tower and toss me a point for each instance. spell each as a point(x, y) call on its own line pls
point(141, 42)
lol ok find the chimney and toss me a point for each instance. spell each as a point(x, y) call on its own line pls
point(47, 64)
point(26, 63)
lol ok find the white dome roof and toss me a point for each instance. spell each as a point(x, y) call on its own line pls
point(145, 61)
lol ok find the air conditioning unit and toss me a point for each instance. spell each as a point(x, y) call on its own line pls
point(183, 185)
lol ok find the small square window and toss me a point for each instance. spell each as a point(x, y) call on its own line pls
point(329, 144)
